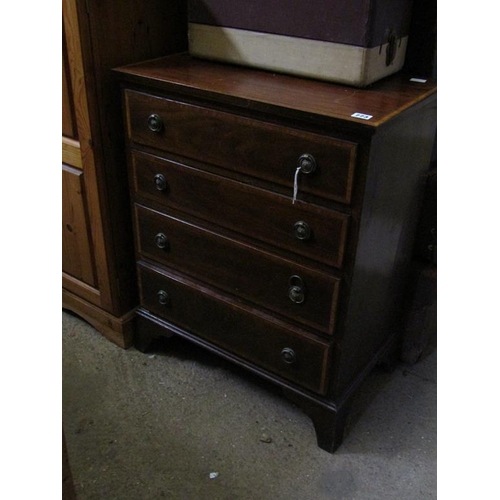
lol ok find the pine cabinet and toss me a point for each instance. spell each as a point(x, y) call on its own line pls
point(98, 275)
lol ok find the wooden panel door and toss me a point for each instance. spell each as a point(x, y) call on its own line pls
point(75, 114)
point(99, 282)
point(68, 112)
point(84, 263)
point(76, 243)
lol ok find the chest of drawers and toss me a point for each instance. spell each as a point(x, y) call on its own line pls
point(272, 227)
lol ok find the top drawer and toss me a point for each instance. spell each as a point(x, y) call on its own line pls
point(263, 150)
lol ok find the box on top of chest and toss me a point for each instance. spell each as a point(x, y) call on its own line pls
point(354, 42)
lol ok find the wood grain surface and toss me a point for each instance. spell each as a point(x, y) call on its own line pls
point(253, 147)
point(242, 208)
point(260, 89)
point(237, 328)
point(240, 269)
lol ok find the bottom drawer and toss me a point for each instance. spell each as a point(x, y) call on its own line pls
point(269, 343)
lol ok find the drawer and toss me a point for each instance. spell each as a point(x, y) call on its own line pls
point(260, 149)
point(280, 285)
point(258, 338)
point(303, 228)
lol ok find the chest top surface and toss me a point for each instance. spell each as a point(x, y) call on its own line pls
point(267, 91)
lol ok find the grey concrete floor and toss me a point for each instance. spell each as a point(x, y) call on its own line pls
point(153, 426)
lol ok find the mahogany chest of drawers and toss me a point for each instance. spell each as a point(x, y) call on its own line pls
point(272, 226)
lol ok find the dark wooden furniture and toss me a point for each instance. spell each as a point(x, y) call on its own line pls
point(68, 484)
point(305, 294)
point(420, 330)
point(98, 279)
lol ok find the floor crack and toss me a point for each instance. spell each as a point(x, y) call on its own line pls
point(425, 379)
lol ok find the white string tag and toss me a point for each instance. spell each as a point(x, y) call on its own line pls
point(296, 185)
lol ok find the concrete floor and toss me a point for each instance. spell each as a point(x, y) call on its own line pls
point(152, 426)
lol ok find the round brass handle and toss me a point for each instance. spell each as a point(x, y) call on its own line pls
point(163, 297)
point(307, 163)
point(302, 230)
point(160, 182)
point(155, 123)
point(288, 356)
point(296, 294)
point(161, 241)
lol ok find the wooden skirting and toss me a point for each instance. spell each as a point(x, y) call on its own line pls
point(119, 330)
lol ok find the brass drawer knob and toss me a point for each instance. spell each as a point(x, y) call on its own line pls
point(302, 230)
point(306, 163)
point(288, 356)
point(163, 297)
point(161, 241)
point(296, 294)
point(297, 290)
point(160, 182)
point(155, 123)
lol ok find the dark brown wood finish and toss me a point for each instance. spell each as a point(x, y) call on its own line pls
point(396, 174)
point(242, 208)
point(264, 150)
point(68, 485)
point(229, 220)
point(237, 268)
point(264, 91)
point(244, 331)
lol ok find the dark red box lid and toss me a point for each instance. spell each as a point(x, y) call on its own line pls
point(364, 23)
